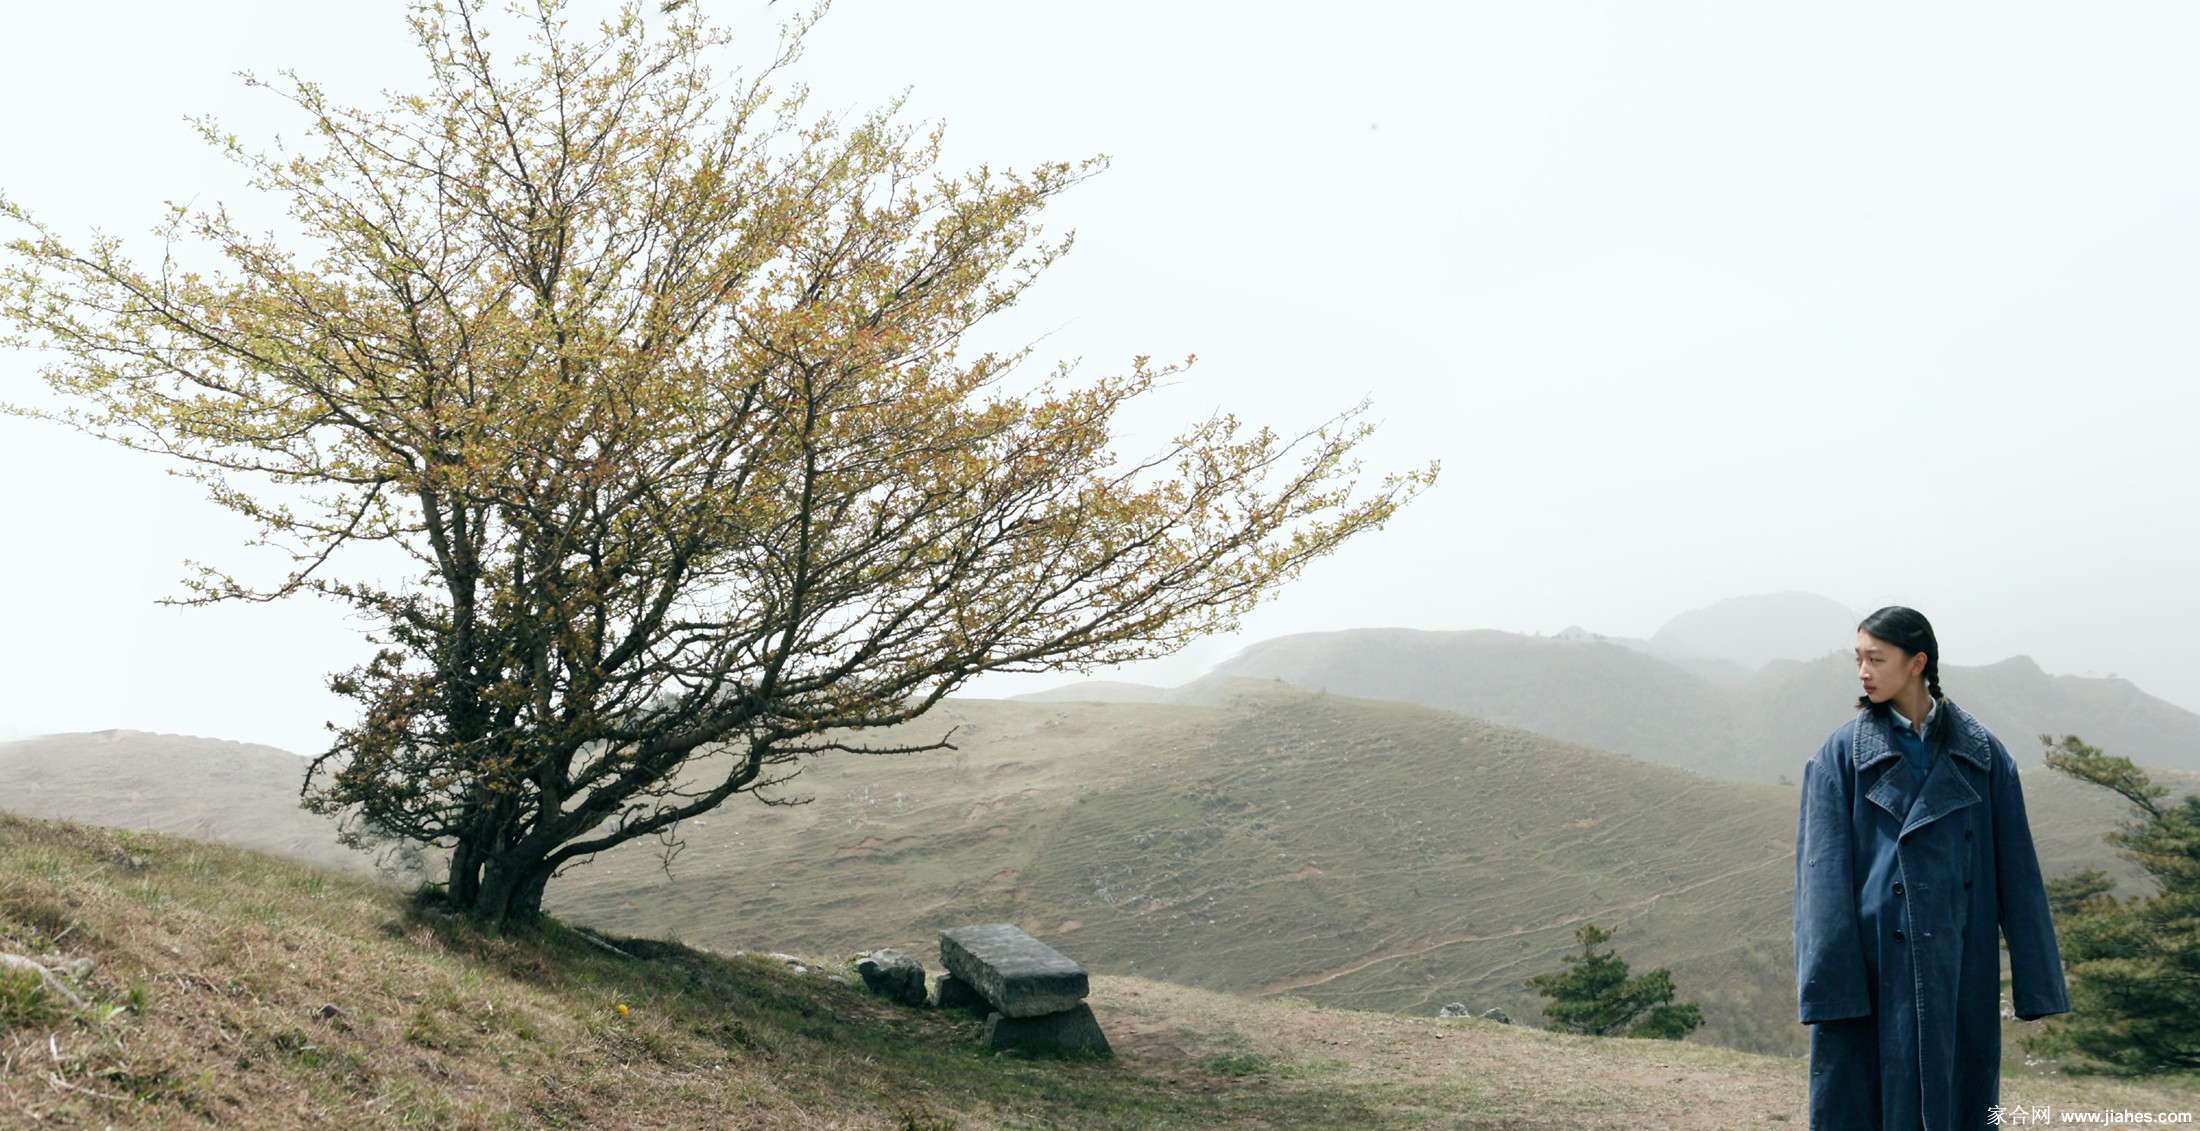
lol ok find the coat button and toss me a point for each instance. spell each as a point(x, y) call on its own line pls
point(1898, 936)
point(1898, 887)
point(1967, 885)
point(1966, 834)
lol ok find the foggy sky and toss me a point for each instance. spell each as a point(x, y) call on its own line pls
point(1889, 303)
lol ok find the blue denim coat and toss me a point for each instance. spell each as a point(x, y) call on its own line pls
point(1899, 888)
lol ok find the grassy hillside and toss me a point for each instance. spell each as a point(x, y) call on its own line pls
point(238, 793)
point(1599, 693)
point(1351, 852)
point(238, 990)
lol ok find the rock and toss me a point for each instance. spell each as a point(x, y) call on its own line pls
point(952, 992)
point(893, 975)
point(1074, 1030)
point(1498, 1015)
point(1455, 1009)
point(789, 961)
point(81, 969)
point(1017, 974)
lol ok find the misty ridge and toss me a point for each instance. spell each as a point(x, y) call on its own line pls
point(1746, 688)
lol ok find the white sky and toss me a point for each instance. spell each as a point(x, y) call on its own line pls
point(1893, 303)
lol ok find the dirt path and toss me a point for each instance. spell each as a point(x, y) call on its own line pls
point(1293, 984)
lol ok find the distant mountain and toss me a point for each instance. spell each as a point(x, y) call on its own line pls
point(1098, 691)
point(1590, 690)
point(1725, 673)
point(1580, 689)
point(240, 793)
point(1751, 632)
point(1724, 644)
point(1799, 703)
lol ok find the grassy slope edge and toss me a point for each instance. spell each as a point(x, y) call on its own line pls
point(241, 990)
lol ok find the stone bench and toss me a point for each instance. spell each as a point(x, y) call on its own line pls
point(1037, 992)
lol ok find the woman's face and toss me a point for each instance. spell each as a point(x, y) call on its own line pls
point(1885, 669)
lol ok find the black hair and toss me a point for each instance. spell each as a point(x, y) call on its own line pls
point(1908, 630)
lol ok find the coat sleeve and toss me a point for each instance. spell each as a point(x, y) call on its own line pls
point(2035, 963)
point(1829, 955)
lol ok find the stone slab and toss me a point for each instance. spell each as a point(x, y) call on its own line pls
point(1015, 973)
point(1074, 1030)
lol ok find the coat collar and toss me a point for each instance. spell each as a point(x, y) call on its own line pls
point(1875, 738)
point(1943, 791)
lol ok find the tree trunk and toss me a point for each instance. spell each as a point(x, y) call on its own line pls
point(508, 890)
point(465, 881)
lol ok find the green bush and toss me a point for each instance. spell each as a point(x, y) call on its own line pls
point(2133, 962)
point(1596, 996)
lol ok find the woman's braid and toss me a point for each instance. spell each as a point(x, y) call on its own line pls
point(1943, 723)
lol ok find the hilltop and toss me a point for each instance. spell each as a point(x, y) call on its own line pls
point(1750, 632)
point(242, 990)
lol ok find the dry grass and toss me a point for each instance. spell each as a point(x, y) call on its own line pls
point(238, 990)
point(1361, 854)
point(1416, 1072)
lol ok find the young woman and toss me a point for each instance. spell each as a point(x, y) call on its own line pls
point(1911, 854)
